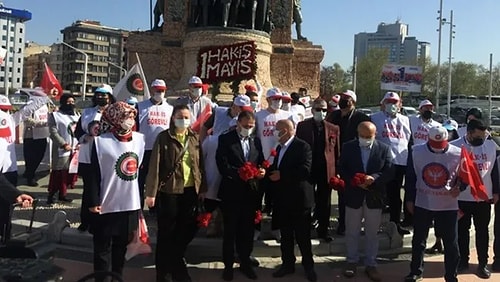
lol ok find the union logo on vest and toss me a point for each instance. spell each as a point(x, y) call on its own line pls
point(435, 175)
point(126, 166)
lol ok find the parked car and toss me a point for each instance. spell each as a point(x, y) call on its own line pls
point(409, 111)
point(367, 112)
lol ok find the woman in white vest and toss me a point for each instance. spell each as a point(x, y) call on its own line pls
point(88, 126)
point(64, 144)
point(8, 132)
point(113, 192)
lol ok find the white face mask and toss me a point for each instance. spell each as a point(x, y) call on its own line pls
point(196, 92)
point(277, 135)
point(182, 123)
point(285, 107)
point(128, 124)
point(276, 104)
point(319, 116)
point(365, 142)
point(245, 132)
point(158, 96)
point(391, 109)
point(254, 105)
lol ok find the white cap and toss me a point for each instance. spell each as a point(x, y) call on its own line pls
point(350, 93)
point(390, 96)
point(450, 124)
point(195, 81)
point(5, 103)
point(132, 100)
point(286, 97)
point(243, 101)
point(274, 92)
point(425, 103)
point(159, 84)
point(104, 88)
point(438, 137)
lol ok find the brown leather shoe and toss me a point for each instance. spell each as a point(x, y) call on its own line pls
point(373, 274)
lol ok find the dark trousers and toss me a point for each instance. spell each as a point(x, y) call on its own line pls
point(296, 227)
point(11, 177)
point(59, 181)
point(445, 224)
point(84, 170)
point(496, 233)
point(394, 195)
point(143, 172)
point(238, 219)
point(176, 214)
point(33, 150)
point(109, 251)
point(481, 212)
point(322, 208)
point(341, 206)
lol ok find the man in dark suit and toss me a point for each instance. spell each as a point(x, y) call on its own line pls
point(294, 198)
point(9, 194)
point(239, 199)
point(323, 137)
point(348, 119)
point(365, 199)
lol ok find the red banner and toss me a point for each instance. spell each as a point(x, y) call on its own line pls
point(227, 63)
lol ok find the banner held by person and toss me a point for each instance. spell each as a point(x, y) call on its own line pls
point(133, 84)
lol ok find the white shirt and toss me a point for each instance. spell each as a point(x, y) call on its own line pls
point(265, 125)
point(395, 132)
point(284, 147)
point(420, 129)
point(298, 110)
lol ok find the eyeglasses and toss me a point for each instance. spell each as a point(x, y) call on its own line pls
point(321, 110)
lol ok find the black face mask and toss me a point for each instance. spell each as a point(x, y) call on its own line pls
point(101, 102)
point(477, 141)
point(67, 107)
point(427, 114)
point(343, 103)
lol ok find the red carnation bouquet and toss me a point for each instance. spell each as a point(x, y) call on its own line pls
point(337, 183)
point(248, 173)
point(267, 163)
point(258, 217)
point(358, 179)
point(203, 219)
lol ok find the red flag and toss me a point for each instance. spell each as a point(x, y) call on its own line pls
point(49, 82)
point(469, 174)
point(205, 114)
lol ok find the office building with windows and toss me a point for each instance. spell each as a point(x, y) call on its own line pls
point(105, 48)
point(402, 48)
point(12, 32)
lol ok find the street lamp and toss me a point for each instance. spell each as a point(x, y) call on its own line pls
point(84, 67)
point(117, 66)
point(438, 81)
point(449, 61)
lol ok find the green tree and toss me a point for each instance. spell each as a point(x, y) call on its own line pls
point(368, 76)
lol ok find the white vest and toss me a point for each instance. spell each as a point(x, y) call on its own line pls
point(420, 129)
point(119, 165)
point(265, 125)
point(485, 156)
point(435, 175)
point(153, 119)
point(66, 125)
point(88, 115)
point(213, 177)
point(8, 133)
point(222, 121)
point(394, 132)
point(41, 115)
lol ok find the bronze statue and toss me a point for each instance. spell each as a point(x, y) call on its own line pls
point(297, 19)
point(230, 9)
point(261, 14)
point(158, 11)
point(200, 10)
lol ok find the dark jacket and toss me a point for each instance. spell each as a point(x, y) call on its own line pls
point(165, 155)
point(8, 192)
point(379, 167)
point(230, 158)
point(348, 124)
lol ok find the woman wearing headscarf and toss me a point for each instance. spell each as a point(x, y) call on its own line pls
point(113, 191)
point(88, 126)
point(175, 182)
point(64, 144)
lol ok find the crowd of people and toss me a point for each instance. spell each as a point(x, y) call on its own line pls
point(255, 158)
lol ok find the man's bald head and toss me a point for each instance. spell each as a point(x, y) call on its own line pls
point(286, 129)
point(367, 130)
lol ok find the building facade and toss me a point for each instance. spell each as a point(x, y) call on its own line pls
point(402, 48)
point(104, 48)
point(12, 35)
point(34, 57)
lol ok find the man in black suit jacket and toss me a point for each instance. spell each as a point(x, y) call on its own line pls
point(364, 199)
point(9, 194)
point(293, 198)
point(239, 199)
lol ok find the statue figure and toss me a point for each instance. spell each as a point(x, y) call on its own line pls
point(297, 19)
point(158, 11)
point(200, 12)
point(261, 14)
point(268, 24)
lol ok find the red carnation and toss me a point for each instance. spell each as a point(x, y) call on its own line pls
point(273, 153)
point(203, 219)
point(266, 164)
point(337, 184)
point(358, 179)
point(258, 217)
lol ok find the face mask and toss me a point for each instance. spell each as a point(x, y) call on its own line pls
point(332, 104)
point(245, 132)
point(319, 116)
point(365, 142)
point(67, 107)
point(276, 104)
point(343, 103)
point(254, 105)
point(285, 107)
point(196, 92)
point(101, 102)
point(478, 141)
point(158, 96)
point(391, 109)
point(277, 135)
point(427, 114)
point(128, 124)
point(182, 123)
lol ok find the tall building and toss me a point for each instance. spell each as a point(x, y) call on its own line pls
point(102, 45)
point(35, 55)
point(56, 60)
point(402, 48)
point(12, 33)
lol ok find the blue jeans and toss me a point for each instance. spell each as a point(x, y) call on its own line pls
point(445, 224)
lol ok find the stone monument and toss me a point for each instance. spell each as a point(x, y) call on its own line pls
point(229, 48)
